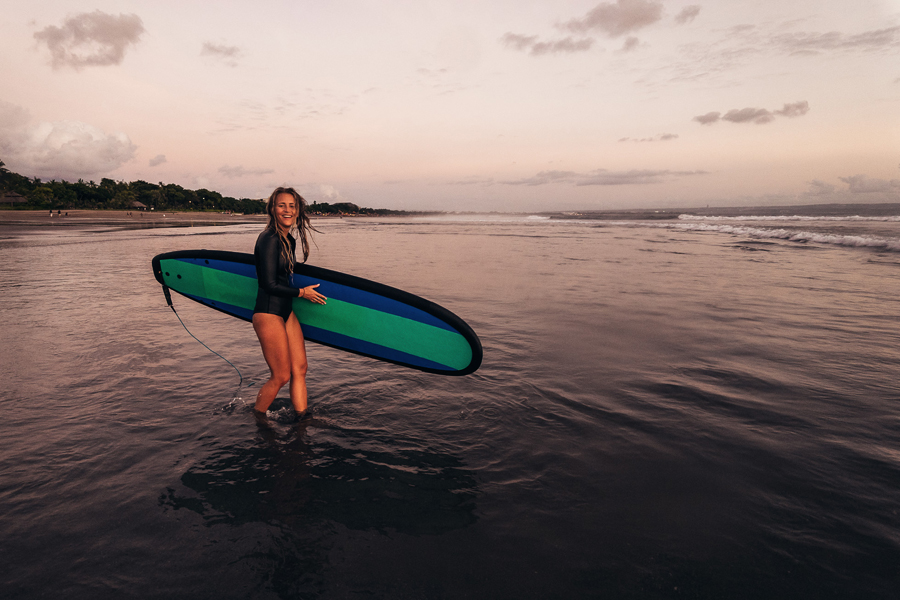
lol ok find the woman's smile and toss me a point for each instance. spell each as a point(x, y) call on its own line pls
point(285, 211)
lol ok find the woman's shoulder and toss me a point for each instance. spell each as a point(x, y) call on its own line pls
point(265, 240)
point(269, 237)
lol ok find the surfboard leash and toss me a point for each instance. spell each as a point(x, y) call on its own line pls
point(169, 302)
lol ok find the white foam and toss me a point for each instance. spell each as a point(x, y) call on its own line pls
point(857, 241)
point(850, 218)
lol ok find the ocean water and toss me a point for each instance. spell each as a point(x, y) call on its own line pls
point(686, 408)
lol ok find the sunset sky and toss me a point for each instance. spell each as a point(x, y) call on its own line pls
point(462, 105)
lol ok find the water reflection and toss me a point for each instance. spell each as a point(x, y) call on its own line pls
point(294, 478)
point(301, 483)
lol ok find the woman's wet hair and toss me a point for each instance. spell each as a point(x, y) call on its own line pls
point(301, 227)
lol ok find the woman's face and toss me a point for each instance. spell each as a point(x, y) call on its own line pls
point(285, 211)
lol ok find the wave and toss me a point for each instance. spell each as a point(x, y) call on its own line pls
point(686, 217)
point(856, 241)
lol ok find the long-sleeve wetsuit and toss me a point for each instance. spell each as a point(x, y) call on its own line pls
point(276, 294)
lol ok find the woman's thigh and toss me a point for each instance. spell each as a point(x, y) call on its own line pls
point(274, 339)
point(297, 343)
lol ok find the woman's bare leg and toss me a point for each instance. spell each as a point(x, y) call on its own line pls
point(273, 337)
point(297, 345)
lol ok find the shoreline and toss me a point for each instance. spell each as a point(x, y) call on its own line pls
point(124, 219)
point(121, 218)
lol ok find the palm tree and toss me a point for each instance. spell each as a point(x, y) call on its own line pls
point(3, 173)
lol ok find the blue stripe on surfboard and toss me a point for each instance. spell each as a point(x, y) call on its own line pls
point(317, 334)
point(223, 265)
point(365, 299)
point(337, 291)
point(356, 345)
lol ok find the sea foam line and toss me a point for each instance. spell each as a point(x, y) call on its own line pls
point(686, 217)
point(856, 241)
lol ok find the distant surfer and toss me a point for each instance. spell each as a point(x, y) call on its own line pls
point(274, 321)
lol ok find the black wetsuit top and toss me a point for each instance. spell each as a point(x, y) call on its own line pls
point(275, 295)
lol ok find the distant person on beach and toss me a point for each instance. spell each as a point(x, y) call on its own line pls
point(274, 321)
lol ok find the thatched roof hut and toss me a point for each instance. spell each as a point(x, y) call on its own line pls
point(12, 198)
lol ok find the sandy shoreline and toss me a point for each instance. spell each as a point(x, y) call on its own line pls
point(121, 218)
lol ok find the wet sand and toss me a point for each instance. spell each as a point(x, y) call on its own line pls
point(121, 218)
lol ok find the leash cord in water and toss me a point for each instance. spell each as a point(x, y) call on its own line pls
point(169, 300)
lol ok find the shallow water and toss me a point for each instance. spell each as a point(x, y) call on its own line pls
point(687, 409)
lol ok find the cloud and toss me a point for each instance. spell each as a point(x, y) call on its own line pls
point(687, 14)
point(473, 180)
point(603, 177)
point(614, 20)
point(708, 119)
point(720, 60)
point(157, 160)
point(748, 115)
point(65, 149)
point(531, 44)
point(862, 184)
point(797, 109)
point(545, 177)
point(617, 19)
point(760, 116)
point(518, 41)
point(820, 188)
point(239, 171)
point(663, 137)
point(631, 43)
point(330, 193)
point(633, 177)
point(815, 43)
point(227, 54)
point(567, 45)
point(91, 39)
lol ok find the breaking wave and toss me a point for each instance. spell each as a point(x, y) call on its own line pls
point(792, 235)
point(686, 217)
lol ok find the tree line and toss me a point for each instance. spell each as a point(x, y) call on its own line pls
point(119, 195)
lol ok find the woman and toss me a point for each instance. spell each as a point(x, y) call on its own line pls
point(274, 321)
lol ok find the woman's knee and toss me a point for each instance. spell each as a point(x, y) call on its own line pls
point(281, 378)
point(299, 368)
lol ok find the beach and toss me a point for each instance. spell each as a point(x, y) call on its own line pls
point(120, 218)
point(666, 409)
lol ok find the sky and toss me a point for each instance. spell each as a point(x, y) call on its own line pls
point(459, 105)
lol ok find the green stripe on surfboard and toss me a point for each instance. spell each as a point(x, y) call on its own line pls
point(406, 335)
point(392, 331)
point(214, 284)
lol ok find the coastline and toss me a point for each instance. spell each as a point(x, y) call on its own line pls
point(121, 218)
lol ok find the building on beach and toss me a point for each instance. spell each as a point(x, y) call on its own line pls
point(12, 198)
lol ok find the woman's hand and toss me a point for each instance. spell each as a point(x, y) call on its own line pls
point(310, 293)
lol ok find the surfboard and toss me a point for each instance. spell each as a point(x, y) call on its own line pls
point(361, 316)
